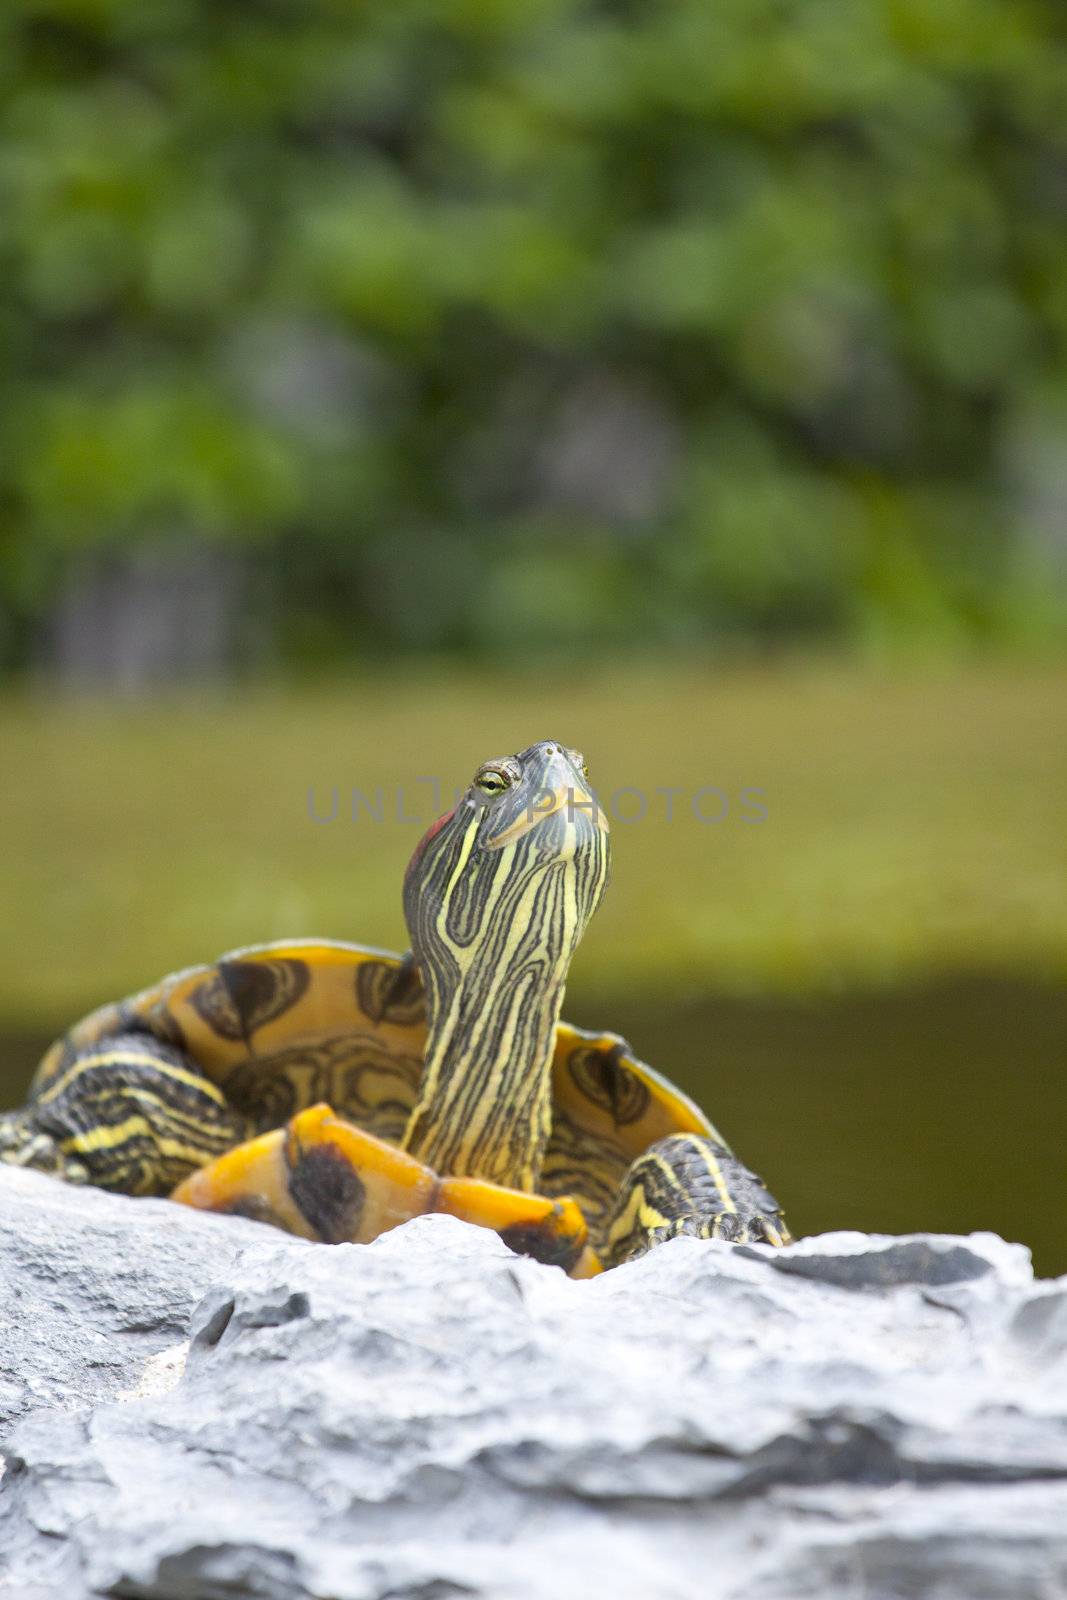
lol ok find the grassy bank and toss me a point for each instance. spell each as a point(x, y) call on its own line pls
point(905, 825)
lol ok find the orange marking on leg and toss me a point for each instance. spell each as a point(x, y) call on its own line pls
point(396, 1186)
point(550, 1230)
point(588, 1264)
point(250, 1180)
point(323, 1178)
point(318, 1177)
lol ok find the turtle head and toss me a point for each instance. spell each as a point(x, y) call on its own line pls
point(515, 871)
point(497, 896)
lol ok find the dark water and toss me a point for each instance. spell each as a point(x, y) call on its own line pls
point(941, 1108)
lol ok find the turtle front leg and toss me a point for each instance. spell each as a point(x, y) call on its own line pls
point(689, 1183)
point(323, 1178)
point(129, 1113)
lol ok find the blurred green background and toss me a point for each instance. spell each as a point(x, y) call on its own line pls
point(383, 387)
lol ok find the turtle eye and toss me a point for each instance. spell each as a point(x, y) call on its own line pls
point(578, 760)
point(492, 781)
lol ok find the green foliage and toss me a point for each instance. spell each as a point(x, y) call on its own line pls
point(491, 319)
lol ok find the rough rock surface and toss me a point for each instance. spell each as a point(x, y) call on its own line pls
point(432, 1417)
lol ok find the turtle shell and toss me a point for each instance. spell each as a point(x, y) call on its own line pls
point(280, 1027)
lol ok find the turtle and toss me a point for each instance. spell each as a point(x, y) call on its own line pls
point(335, 1089)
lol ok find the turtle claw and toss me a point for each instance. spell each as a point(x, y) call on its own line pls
point(737, 1227)
point(732, 1227)
point(24, 1144)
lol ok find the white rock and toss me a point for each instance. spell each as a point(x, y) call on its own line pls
point(432, 1417)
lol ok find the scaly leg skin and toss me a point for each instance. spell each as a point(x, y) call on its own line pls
point(130, 1114)
point(689, 1183)
point(323, 1178)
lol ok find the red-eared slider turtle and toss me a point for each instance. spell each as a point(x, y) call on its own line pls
point(336, 1090)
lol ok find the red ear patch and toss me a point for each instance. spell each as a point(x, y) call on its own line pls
point(431, 832)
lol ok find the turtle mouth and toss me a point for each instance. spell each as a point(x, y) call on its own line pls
point(559, 789)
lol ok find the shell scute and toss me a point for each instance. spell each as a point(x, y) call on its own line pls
point(239, 996)
point(280, 1027)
